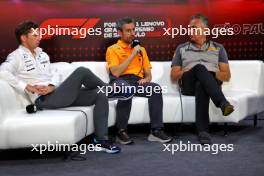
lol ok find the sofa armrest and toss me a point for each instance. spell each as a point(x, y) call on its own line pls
point(11, 100)
point(246, 75)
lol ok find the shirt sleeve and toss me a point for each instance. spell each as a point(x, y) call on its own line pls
point(223, 55)
point(177, 60)
point(146, 62)
point(111, 58)
point(8, 71)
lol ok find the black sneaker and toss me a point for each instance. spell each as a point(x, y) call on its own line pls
point(107, 146)
point(123, 138)
point(32, 108)
point(159, 135)
point(204, 138)
point(227, 108)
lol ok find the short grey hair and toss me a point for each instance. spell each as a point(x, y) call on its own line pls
point(122, 21)
point(201, 17)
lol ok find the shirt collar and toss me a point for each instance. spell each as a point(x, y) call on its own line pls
point(203, 48)
point(37, 50)
point(123, 44)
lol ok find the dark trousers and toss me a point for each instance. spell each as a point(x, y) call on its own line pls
point(155, 102)
point(202, 84)
point(71, 93)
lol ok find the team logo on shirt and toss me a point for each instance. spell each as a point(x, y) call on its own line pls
point(212, 49)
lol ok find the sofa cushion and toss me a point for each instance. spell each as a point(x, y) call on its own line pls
point(23, 129)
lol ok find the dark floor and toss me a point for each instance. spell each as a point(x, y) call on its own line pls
point(145, 158)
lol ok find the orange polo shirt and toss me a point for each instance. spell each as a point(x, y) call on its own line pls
point(119, 52)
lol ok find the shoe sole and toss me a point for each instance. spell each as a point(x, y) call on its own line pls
point(153, 138)
point(123, 142)
point(228, 110)
point(109, 151)
point(120, 98)
point(125, 98)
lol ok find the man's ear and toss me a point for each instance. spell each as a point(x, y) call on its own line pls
point(23, 38)
point(119, 32)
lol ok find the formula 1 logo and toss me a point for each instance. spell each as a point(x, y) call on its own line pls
point(76, 27)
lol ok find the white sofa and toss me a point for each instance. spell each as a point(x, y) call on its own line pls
point(18, 129)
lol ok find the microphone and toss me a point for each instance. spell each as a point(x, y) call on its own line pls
point(31, 108)
point(134, 43)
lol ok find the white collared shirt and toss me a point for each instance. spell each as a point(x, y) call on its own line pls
point(22, 68)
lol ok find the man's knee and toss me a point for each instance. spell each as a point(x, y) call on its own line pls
point(82, 71)
point(152, 88)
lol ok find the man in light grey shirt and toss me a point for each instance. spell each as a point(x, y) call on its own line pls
point(200, 66)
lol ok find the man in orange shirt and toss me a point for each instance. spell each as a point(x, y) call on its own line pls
point(129, 65)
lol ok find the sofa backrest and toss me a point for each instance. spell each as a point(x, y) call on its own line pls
point(161, 75)
point(64, 69)
point(246, 75)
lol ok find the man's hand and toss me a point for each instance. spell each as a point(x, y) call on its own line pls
point(40, 89)
point(32, 89)
point(224, 72)
point(186, 69)
point(182, 72)
point(147, 78)
point(44, 90)
point(143, 81)
point(177, 72)
point(136, 50)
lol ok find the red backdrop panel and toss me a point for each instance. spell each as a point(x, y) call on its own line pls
point(246, 16)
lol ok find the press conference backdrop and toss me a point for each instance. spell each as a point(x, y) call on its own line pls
point(90, 26)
